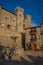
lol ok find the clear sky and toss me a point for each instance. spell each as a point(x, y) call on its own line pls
point(31, 7)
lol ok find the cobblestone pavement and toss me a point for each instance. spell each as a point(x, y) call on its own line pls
point(29, 58)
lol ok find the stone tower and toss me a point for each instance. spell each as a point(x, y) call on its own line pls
point(27, 21)
point(27, 30)
point(20, 18)
point(42, 33)
point(0, 8)
point(0, 12)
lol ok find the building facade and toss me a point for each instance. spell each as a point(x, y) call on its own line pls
point(16, 30)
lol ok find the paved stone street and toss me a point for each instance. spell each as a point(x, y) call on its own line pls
point(29, 58)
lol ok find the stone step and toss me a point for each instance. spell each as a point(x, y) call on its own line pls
point(26, 58)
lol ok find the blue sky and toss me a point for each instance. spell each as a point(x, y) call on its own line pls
point(31, 7)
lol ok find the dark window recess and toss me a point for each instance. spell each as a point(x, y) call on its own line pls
point(7, 18)
point(33, 31)
point(8, 26)
point(33, 38)
point(20, 15)
point(13, 20)
point(23, 25)
point(20, 22)
point(41, 32)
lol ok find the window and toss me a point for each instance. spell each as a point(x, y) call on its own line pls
point(13, 20)
point(20, 22)
point(23, 25)
point(41, 32)
point(33, 31)
point(7, 18)
point(33, 37)
point(20, 15)
point(8, 26)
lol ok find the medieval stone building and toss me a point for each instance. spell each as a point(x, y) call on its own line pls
point(16, 29)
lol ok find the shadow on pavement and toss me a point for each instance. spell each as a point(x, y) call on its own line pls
point(37, 60)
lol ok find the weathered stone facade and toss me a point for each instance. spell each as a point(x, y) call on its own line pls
point(16, 29)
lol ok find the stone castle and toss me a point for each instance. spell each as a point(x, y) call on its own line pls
point(16, 30)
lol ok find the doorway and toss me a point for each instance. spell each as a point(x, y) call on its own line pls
point(23, 40)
